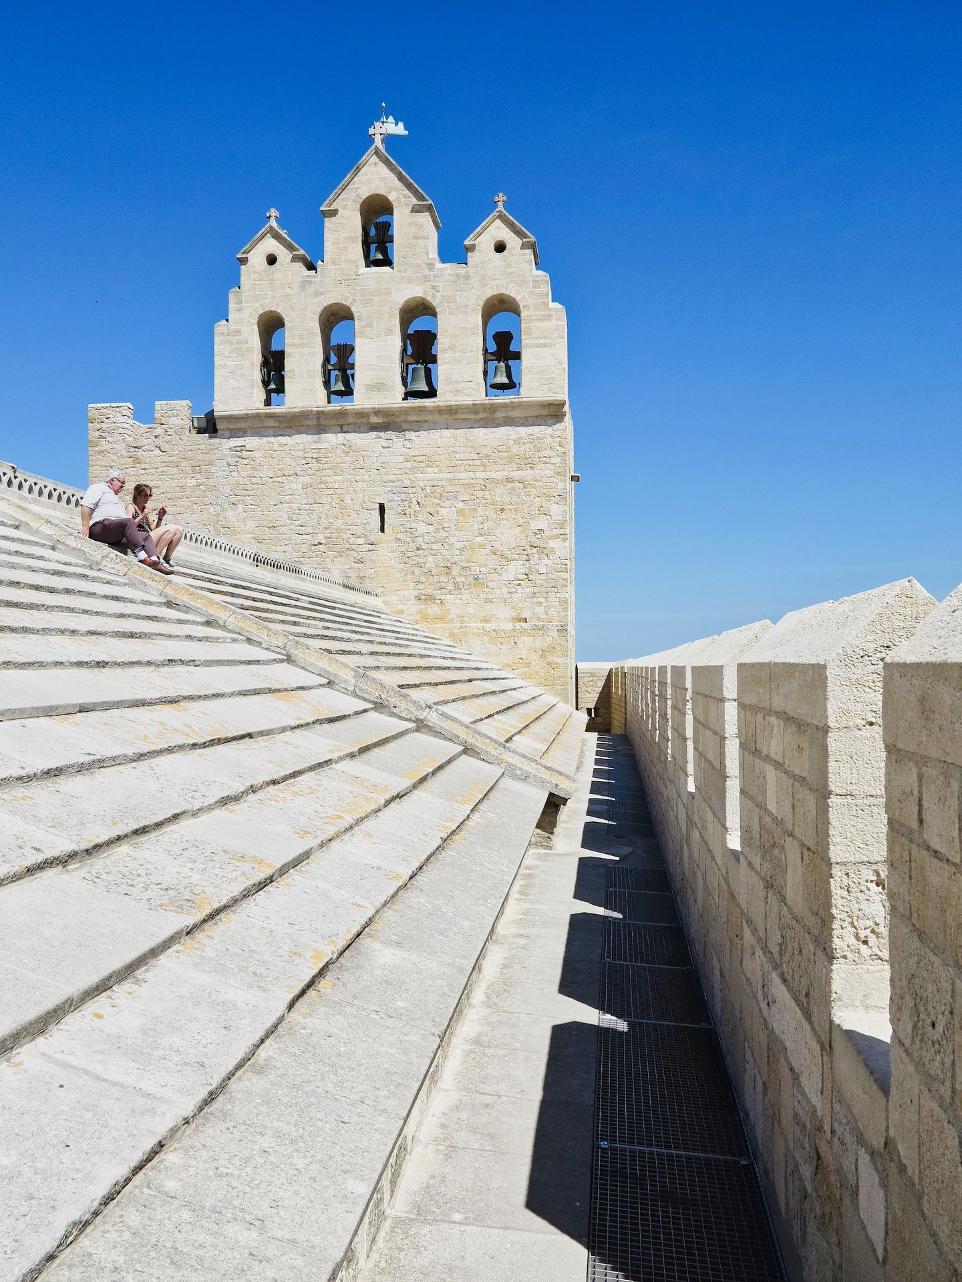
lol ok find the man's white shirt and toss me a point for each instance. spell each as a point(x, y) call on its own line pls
point(105, 505)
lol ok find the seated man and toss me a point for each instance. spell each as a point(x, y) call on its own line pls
point(102, 518)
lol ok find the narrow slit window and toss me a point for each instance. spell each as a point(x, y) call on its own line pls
point(380, 518)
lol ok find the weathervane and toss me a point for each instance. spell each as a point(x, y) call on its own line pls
point(386, 125)
point(273, 215)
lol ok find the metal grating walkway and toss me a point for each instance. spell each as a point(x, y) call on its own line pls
point(675, 1195)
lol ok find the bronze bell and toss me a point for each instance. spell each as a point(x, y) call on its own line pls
point(276, 385)
point(418, 384)
point(503, 380)
point(341, 383)
point(382, 238)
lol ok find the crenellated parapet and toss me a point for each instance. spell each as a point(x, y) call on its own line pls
point(805, 781)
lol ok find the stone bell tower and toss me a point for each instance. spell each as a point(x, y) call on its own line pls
point(398, 420)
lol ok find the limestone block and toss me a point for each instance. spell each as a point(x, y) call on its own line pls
point(904, 1109)
point(941, 1170)
point(921, 1002)
point(902, 791)
point(912, 1253)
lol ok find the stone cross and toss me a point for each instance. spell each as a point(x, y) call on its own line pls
point(500, 200)
point(273, 215)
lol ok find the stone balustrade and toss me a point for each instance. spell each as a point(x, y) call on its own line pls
point(805, 782)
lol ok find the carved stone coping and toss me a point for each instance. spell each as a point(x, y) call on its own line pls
point(38, 489)
point(404, 416)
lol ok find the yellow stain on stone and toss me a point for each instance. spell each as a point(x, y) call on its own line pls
point(96, 1014)
point(204, 903)
point(319, 956)
point(262, 865)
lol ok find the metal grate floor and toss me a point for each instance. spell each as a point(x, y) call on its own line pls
point(634, 944)
point(655, 879)
point(675, 1193)
point(642, 906)
point(665, 1086)
point(666, 1217)
point(653, 993)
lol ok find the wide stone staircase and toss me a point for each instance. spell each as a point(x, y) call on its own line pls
point(242, 898)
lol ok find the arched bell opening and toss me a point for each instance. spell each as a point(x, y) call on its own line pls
point(377, 231)
point(501, 346)
point(338, 345)
point(419, 350)
point(270, 332)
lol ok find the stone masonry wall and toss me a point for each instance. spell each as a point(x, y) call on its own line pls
point(769, 794)
point(922, 719)
point(478, 539)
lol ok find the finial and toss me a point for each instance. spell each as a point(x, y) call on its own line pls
point(500, 200)
point(273, 215)
point(386, 125)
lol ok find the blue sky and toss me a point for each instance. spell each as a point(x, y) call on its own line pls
point(752, 214)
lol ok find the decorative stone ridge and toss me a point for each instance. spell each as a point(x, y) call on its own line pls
point(770, 764)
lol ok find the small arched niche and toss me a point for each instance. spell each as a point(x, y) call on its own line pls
point(418, 321)
point(338, 346)
point(501, 339)
point(377, 231)
point(270, 333)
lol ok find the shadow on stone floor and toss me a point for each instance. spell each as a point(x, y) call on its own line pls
point(616, 833)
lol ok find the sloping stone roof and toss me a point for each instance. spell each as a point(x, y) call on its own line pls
point(239, 811)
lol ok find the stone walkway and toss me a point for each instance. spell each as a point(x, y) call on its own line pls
point(498, 1183)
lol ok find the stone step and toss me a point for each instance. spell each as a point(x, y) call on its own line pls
point(441, 694)
point(52, 821)
point(507, 723)
point(402, 664)
point(34, 557)
point(31, 748)
point(308, 600)
point(307, 590)
point(563, 754)
point(51, 649)
point(143, 606)
point(346, 643)
point(86, 1105)
point(71, 933)
point(473, 710)
point(432, 676)
point(537, 737)
point(292, 608)
point(62, 582)
point(172, 623)
point(52, 692)
point(18, 535)
point(275, 1178)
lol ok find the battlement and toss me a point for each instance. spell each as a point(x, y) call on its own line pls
point(805, 781)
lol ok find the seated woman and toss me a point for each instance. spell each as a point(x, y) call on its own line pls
point(166, 537)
